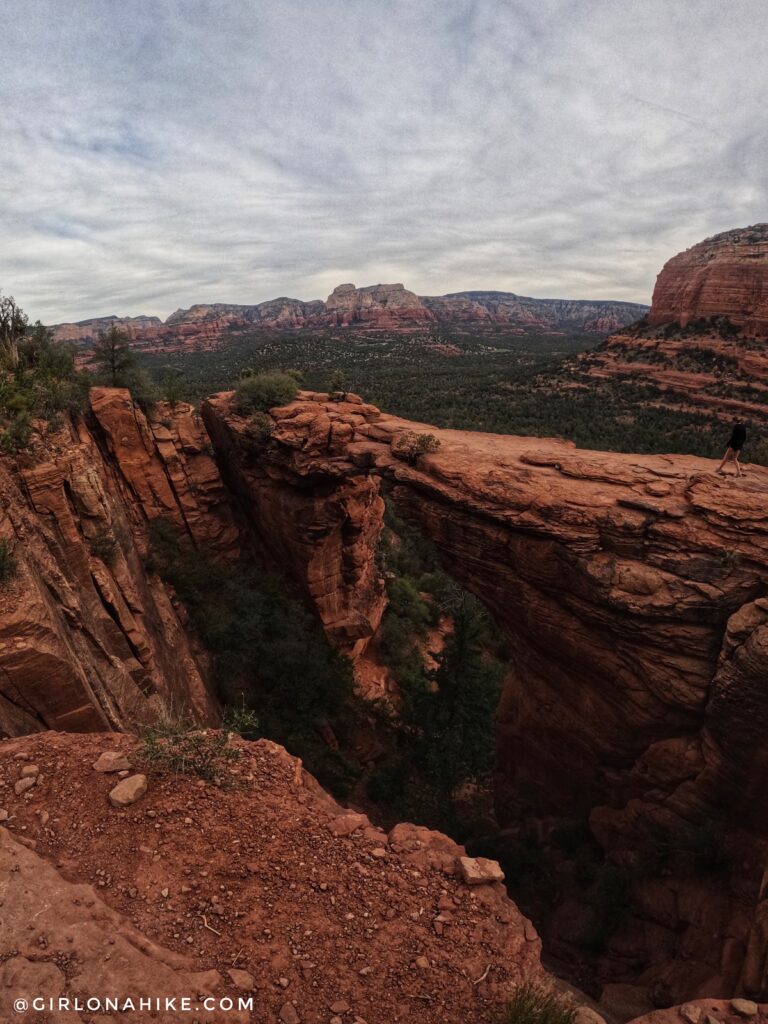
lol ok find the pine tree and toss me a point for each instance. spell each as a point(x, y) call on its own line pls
point(113, 357)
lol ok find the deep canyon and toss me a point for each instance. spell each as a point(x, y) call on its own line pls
point(631, 593)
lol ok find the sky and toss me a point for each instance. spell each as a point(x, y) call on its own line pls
point(158, 153)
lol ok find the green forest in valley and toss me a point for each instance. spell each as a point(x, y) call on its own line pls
point(492, 381)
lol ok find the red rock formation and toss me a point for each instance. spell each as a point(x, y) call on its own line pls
point(88, 330)
point(377, 307)
point(723, 276)
point(629, 588)
point(702, 347)
point(381, 305)
point(324, 536)
point(87, 639)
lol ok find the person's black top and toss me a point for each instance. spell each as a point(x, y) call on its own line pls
point(738, 437)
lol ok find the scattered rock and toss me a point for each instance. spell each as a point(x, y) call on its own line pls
point(421, 962)
point(690, 1012)
point(112, 761)
point(23, 785)
point(744, 1007)
point(128, 791)
point(345, 824)
point(242, 979)
point(30, 771)
point(289, 1015)
point(480, 870)
point(340, 1006)
point(586, 1015)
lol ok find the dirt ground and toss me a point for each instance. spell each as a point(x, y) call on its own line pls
point(332, 919)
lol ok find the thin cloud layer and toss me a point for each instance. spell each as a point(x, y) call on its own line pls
point(165, 152)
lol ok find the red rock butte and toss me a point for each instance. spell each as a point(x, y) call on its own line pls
point(723, 276)
point(703, 347)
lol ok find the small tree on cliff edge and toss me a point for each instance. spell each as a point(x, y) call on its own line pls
point(410, 445)
point(113, 357)
point(13, 324)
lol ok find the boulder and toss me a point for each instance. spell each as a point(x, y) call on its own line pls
point(112, 761)
point(128, 791)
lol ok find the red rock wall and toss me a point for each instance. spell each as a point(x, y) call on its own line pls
point(321, 527)
point(726, 275)
point(88, 639)
point(630, 590)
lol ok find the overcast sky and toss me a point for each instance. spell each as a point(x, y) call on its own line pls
point(156, 153)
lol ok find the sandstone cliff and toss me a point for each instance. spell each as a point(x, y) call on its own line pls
point(88, 639)
point(723, 276)
point(631, 590)
point(88, 330)
point(703, 347)
point(632, 593)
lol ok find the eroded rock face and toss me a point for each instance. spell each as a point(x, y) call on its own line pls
point(726, 275)
point(388, 307)
point(88, 639)
point(384, 305)
point(703, 347)
point(323, 528)
point(631, 592)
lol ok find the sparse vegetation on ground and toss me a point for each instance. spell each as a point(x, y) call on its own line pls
point(270, 656)
point(409, 446)
point(180, 746)
point(532, 1004)
point(260, 392)
point(8, 566)
point(38, 380)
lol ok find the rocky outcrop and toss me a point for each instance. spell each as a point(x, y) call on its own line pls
point(322, 530)
point(723, 276)
point(88, 639)
point(381, 305)
point(263, 887)
point(632, 593)
point(703, 347)
point(508, 309)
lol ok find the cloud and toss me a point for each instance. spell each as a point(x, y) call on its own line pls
point(166, 152)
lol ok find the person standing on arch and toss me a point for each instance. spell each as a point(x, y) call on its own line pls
point(736, 443)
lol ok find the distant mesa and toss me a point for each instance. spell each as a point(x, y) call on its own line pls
point(374, 307)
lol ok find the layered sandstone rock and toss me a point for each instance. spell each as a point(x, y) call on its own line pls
point(723, 276)
point(88, 639)
point(703, 347)
point(631, 591)
point(322, 530)
point(386, 307)
point(88, 330)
